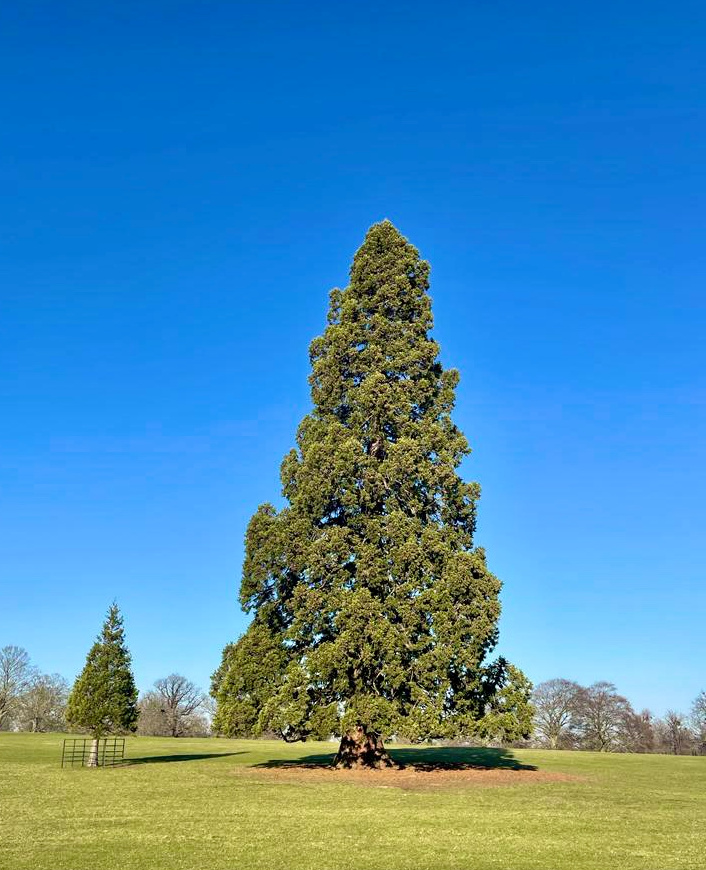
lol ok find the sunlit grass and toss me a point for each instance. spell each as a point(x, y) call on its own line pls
point(188, 807)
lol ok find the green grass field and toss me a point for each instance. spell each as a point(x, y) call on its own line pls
point(207, 804)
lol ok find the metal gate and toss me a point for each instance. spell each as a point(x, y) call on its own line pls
point(77, 751)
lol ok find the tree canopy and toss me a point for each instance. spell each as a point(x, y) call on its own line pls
point(373, 610)
point(103, 699)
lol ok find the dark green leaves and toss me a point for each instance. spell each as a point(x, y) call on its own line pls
point(379, 608)
point(104, 697)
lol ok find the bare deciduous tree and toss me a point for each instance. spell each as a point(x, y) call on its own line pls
point(43, 704)
point(675, 737)
point(172, 707)
point(600, 716)
point(637, 733)
point(554, 703)
point(698, 721)
point(16, 673)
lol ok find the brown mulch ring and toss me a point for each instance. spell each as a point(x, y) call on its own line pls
point(409, 778)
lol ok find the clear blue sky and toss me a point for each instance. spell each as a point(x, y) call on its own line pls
point(181, 185)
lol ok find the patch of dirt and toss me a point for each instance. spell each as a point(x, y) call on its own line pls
point(409, 778)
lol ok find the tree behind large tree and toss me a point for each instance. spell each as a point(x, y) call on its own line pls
point(16, 675)
point(600, 716)
point(104, 697)
point(698, 721)
point(173, 708)
point(555, 703)
point(42, 707)
point(367, 590)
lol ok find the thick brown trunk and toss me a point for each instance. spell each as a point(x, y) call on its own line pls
point(361, 748)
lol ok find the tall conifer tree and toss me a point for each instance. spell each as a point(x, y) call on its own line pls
point(103, 699)
point(373, 611)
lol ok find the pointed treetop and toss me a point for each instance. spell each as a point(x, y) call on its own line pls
point(104, 697)
point(112, 630)
point(385, 250)
point(373, 611)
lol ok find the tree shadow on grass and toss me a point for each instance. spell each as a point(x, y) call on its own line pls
point(159, 759)
point(459, 758)
point(423, 759)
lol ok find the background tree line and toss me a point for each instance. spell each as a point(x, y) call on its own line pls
point(565, 715)
point(29, 700)
point(33, 701)
point(596, 717)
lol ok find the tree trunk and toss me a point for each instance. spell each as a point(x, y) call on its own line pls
point(93, 754)
point(361, 748)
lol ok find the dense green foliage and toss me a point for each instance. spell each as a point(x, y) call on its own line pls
point(369, 599)
point(104, 697)
point(213, 805)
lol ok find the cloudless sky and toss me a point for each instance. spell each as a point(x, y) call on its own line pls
point(181, 183)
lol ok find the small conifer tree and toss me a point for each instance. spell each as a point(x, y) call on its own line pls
point(103, 699)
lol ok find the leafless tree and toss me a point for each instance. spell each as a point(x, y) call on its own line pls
point(675, 737)
point(554, 703)
point(208, 709)
point(16, 674)
point(172, 708)
point(698, 722)
point(42, 705)
point(636, 732)
point(600, 717)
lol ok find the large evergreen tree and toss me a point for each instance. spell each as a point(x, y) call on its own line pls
point(103, 699)
point(373, 611)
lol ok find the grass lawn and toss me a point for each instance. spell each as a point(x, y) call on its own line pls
point(207, 804)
